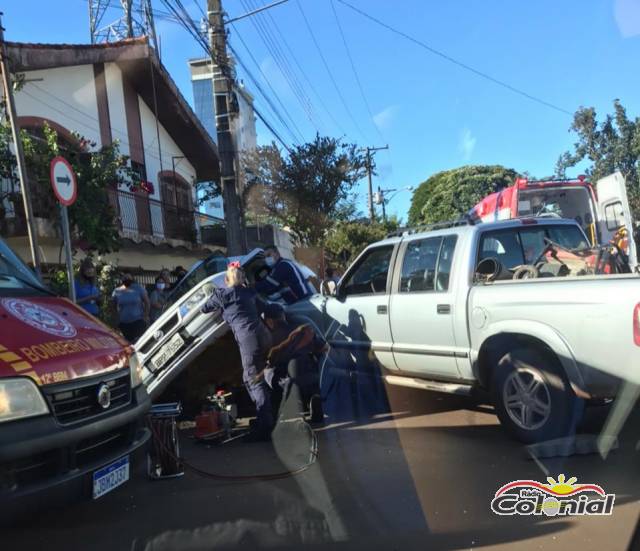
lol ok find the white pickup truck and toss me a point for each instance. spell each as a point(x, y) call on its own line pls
point(416, 304)
point(541, 346)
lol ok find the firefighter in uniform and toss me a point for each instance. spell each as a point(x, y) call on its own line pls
point(241, 307)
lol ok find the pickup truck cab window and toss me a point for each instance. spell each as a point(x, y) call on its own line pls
point(357, 320)
point(426, 265)
point(370, 276)
point(424, 342)
point(445, 261)
point(517, 246)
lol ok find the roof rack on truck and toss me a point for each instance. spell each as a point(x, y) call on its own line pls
point(467, 221)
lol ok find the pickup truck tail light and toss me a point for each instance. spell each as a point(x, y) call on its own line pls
point(636, 324)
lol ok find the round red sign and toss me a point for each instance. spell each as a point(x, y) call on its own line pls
point(63, 181)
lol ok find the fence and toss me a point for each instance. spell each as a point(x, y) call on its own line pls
point(139, 214)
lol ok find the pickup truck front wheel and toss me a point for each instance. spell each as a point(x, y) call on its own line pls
point(533, 398)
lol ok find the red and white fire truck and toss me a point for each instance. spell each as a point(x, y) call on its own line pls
point(601, 209)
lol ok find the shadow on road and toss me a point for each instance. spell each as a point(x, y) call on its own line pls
point(410, 469)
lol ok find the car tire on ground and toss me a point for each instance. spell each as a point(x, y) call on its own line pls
point(533, 398)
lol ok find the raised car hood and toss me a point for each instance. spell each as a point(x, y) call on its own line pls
point(52, 340)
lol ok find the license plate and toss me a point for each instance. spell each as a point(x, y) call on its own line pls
point(110, 477)
point(167, 351)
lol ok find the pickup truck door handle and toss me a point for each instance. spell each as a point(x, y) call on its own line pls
point(382, 309)
point(444, 308)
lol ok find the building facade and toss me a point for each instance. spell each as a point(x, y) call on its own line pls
point(203, 71)
point(120, 92)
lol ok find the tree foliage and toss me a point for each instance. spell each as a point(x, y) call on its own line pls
point(92, 217)
point(306, 189)
point(449, 194)
point(613, 144)
point(346, 239)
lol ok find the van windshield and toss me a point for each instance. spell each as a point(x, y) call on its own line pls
point(566, 202)
point(15, 275)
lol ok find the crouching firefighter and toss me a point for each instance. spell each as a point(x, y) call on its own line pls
point(293, 366)
point(241, 307)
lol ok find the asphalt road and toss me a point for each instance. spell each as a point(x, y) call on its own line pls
point(401, 469)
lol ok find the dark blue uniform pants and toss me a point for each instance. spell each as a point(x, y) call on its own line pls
point(253, 362)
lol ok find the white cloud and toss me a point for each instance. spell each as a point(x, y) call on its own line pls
point(467, 143)
point(627, 15)
point(384, 119)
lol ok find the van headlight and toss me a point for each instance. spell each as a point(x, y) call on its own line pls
point(20, 398)
point(196, 300)
point(136, 370)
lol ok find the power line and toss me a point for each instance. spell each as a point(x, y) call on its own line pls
point(83, 123)
point(258, 86)
point(188, 26)
point(156, 13)
point(266, 21)
point(326, 66)
point(304, 74)
point(184, 20)
point(457, 62)
point(274, 49)
point(355, 71)
point(267, 80)
point(200, 9)
point(195, 33)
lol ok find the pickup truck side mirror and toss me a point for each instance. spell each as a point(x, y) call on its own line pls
point(328, 291)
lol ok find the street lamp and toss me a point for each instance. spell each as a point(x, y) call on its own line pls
point(380, 198)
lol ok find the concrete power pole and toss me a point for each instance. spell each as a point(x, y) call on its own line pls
point(223, 91)
point(22, 170)
point(369, 150)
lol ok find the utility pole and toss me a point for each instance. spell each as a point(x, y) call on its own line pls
point(369, 150)
point(382, 202)
point(223, 90)
point(15, 131)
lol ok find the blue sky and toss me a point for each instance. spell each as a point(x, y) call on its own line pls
point(433, 114)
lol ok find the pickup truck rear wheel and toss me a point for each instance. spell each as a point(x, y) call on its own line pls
point(533, 398)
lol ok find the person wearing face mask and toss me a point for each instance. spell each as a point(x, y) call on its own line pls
point(87, 293)
point(158, 298)
point(285, 280)
point(132, 306)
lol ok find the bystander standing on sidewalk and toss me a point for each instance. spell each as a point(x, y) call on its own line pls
point(158, 298)
point(87, 292)
point(132, 306)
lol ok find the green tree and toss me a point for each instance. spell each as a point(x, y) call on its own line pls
point(450, 194)
point(613, 144)
point(92, 217)
point(307, 189)
point(347, 239)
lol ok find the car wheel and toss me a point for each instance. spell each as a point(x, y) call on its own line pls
point(533, 398)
